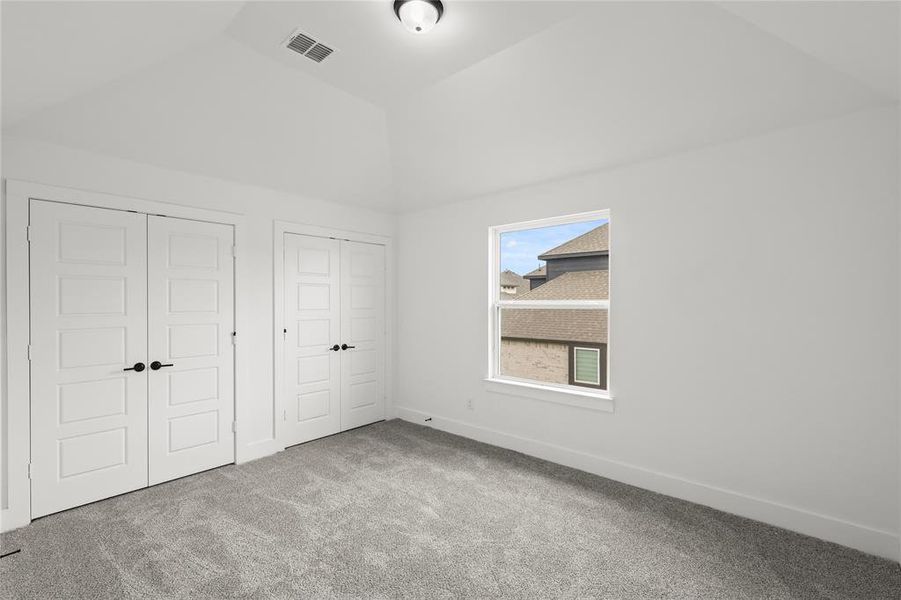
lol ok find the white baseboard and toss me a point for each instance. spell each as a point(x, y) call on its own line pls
point(860, 537)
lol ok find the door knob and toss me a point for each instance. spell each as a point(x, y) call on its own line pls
point(335, 348)
point(157, 365)
point(138, 367)
point(345, 346)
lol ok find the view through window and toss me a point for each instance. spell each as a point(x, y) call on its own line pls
point(552, 301)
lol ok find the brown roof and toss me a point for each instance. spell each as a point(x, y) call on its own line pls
point(539, 272)
point(573, 285)
point(508, 277)
point(595, 241)
point(559, 325)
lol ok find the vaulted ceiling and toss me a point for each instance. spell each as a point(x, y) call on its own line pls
point(500, 94)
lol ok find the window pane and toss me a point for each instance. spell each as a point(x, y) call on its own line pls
point(560, 262)
point(538, 344)
point(588, 365)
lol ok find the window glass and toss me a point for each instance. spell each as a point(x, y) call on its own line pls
point(587, 365)
point(551, 311)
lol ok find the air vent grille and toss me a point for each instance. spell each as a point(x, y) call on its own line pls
point(301, 43)
point(304, 44)
point(319, 52)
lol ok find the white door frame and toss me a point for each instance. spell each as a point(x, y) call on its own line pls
point(278, 309)
point(18, 195)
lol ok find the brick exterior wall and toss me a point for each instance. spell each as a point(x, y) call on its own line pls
point(541, 361)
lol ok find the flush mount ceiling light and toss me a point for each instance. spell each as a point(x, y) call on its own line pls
point(418, 16)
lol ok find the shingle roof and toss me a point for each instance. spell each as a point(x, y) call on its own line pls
point(539, 272)
point(560, 325)
point(596, 240)
point(574, 285)
point(512, 279)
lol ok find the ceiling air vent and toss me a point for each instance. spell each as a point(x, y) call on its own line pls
point(304, 44)
point(319, 52)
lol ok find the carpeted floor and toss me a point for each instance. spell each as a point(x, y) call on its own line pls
point(398, 510)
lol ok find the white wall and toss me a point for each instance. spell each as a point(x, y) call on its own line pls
point(754, 345)
point(754, 323)
point(55, 165)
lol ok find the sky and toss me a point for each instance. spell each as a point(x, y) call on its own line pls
point(520, 249)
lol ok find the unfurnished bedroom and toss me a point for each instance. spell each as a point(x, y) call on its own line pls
point(450, 299)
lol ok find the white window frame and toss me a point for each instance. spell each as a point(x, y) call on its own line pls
point(597, 352)
point(495, 382)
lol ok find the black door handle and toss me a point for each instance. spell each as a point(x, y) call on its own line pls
point(138, 367)
point(345, 346)
point(157, 365)
point(335, 348)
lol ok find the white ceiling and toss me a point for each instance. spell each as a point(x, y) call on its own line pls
point(53, 51)
point(499, 94)
point(858, 38)
point(629, 82)
point(376, 58)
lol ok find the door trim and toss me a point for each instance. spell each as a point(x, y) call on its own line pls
point(17, 427)
point(280, 228)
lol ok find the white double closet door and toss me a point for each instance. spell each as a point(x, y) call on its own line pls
point(132, 358)
point(334, 336)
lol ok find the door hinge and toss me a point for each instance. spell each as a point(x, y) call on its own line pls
point(234, 250)
point(28, 233)
point(28, 351)
point(284, 415)
point(234, 337)
point(234, 427)
point(29, 470)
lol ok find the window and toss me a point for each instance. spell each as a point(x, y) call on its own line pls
point(586, 366)
point(550, 300)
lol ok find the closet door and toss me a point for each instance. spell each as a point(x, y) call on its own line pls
point(191, 350)
point(88, 328)
point(362, 334)
point(312, 338)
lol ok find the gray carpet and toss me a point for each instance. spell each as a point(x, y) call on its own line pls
point(397, 510)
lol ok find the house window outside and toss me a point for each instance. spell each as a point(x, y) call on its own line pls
point(552, 330)
point(587, 366)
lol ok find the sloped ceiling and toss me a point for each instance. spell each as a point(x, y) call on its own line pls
point(223, 111)
point(628, 82)
point(53, 51)
point(857, 38)
point(501, 94)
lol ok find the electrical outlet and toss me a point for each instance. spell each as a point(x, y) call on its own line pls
point(469, 404)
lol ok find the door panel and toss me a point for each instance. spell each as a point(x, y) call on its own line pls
point(190, 320)
point(312, 317)
point(363, 327)
point(88, 322)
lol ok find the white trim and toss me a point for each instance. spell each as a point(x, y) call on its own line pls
point(495, 381)
point(593, 215)
point(597, 352)
point(280, 228)
point(540, 304)
point(18, 425)
point(570, 395)
point(854, 535)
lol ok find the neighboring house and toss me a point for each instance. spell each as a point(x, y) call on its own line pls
point(536, 277)
point(513, 283)
point(562, 346)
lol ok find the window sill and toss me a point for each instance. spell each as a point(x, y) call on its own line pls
point(599, 401)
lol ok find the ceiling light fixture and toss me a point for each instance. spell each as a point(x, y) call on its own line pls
point(418, 16)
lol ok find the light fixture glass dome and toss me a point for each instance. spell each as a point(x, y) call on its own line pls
point(418, 16)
